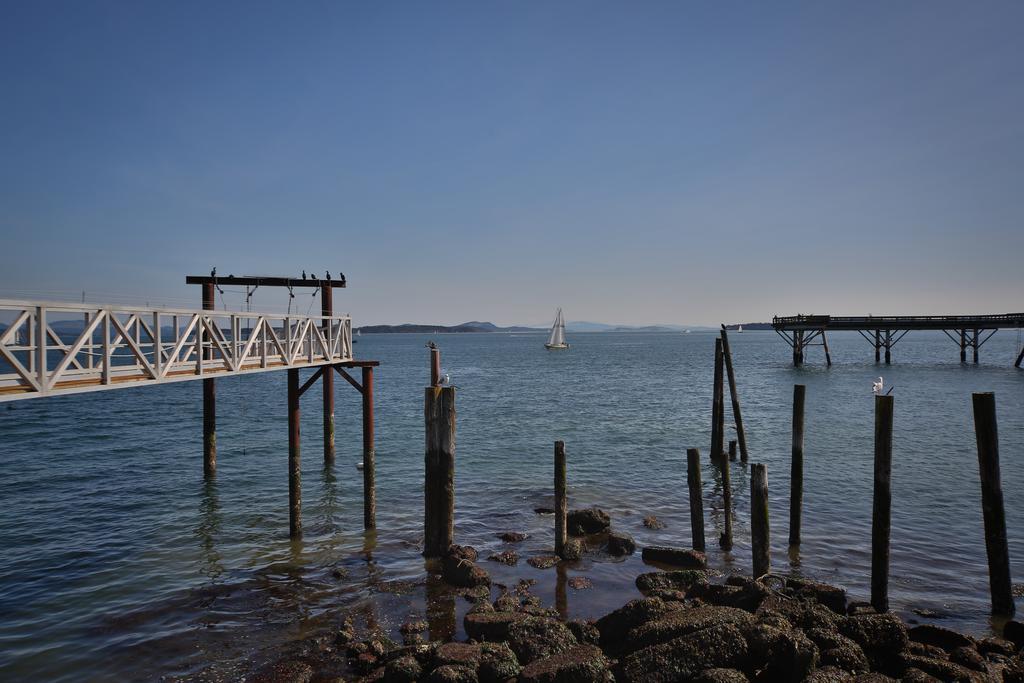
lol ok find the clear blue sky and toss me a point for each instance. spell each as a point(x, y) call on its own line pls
point(632, 162)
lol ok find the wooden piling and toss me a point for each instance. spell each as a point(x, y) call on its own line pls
point(294, 458)
point(369, 453)
point(327, 309)
point(435, 366)
point(759, 529)
point(974, 345)
point(963, 346)
point(732, 450)
point(878, 346)
point(696, 498)
point(734, 394)
point(725, 540)
point(717, 406)
point(209, 396)
point(439, 480)
point(881, 516)
point(796, 471)
point(824, 343)
point(987, 435)
point(561, 502)
point(888, 347)
point(1020, 358)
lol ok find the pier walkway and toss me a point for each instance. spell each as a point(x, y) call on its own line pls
point(883, 332)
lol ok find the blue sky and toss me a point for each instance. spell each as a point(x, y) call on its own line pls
point(632, 162)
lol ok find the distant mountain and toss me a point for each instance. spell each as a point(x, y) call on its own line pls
point(750, 326)
point(472, 326)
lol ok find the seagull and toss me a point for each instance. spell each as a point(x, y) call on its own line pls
point(431, 345)
point(445, 380)
point(327, 276)
point(303, 275)
point(213, 273)
point(876, 387)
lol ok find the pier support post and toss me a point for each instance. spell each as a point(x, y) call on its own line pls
point(963, 346)
point(735, 395)
point(974, 345)
point(878, 346)
point(439, 480)
point(717, 407)
point(294, 458)
point(796, 472)
point(732, 450)
point(725, 541)
point(987, 436)
point(696, 498)
point(888, 347)
point(759, 530)
point(881, 515)
point(369, 454)
point(561, 503)
point(824, 343)
point(435, 366)
point(209, 396)
point(1020, 358)
point(798, 348)
point(327, 309)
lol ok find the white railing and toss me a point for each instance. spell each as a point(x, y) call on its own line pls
point(49, 348)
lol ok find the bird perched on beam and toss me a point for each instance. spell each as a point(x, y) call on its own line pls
point(303, 275)
point(327, 276)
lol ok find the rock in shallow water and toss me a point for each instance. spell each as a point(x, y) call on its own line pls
point(685, 657)
point(620, 544)
point(587, 521)
point(537, 637)
point(652, 522)
point(679, 557)
point(512, 537)
point(458, 568)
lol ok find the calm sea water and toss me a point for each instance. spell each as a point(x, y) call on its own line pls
point(120, 560)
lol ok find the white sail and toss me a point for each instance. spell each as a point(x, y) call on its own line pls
point(557, 337)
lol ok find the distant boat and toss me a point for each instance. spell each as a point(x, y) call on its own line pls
point(739, 329)
point(359, 333)
point(686, 332)
point(557, 338)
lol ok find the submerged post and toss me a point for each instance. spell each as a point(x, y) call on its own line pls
point(561, 504)
point(725, 541)
point(796, 471)
point(759, 531)
point(732, 450)
point(987, 435)
point(369, 454)
point(734, 393)
point(294, 458)
point(696, 493)
point(439, 480)
point(881, 515)
point(209, 396)
point(327, 309)
point(717, 406)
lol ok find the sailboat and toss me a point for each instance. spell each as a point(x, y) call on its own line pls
point(739, 329)
point(557, 338)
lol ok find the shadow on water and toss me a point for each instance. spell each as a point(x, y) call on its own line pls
point(561, 594)
point(440, 601)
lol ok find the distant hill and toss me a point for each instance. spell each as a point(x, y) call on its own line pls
point(750, 326)
point(472, 326)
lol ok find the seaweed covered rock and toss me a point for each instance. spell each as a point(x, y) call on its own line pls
point(685, 621)
point(829, 674)
point(587, 521)
point(578, 664)
point(458, 654)
point(572, 549)
point(492, 626)
point(458, 568)
point(537, 637)
point(620, 544)
point(947, 639)
point(585, 631)
point(875, 633)
point(685, 657)
point(615, 626)
point(942, 669)
point(779, 655)
point(838, 651)
point(652, 522)
point(497, 663)
point(680, 580)
point(720, 675)
point(452, 674)
point(677, 557)
point(830, 596)
point(403, 670)
point(746, 595)
point(1013, 631)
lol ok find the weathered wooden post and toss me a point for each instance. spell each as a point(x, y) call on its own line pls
point(717, 407)
point(435, 365)
point(439, 480)
point(824, 343)
point(734, 393)
point(294, 458)
point(561, 503)
point(963, 345)
point(209, 395)
point(878, 346)
point(881, 515)
point(696, 498)
point(732, 450)
point(1020, 358)
point(888, 347)
point(725, 540)
point(987, 435)
point(796, 471)
point(974, 345)
point(369, 453)
point(759, 531)
point(327, 310)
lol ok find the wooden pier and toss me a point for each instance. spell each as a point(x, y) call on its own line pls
point(883, 332)
point(54, 348)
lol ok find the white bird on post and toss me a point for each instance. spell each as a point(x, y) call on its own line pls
point(876, 387)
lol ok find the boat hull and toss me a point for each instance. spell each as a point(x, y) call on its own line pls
point(556, 347)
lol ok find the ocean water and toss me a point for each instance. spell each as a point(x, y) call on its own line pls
point(120, 560)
